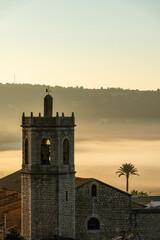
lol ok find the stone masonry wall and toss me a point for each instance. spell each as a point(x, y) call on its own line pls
point(45, 210)
point(8, 202)
point(44, 206)
point(26, 206)
point(146, 222)
point(66, 185)
point(67, 205)
point(111, 207)
point(13, 220)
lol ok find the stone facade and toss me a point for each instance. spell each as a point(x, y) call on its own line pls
point(48, 176)
point(10, 210)
point(111, 207)
point(146, 222)
point(13, 219)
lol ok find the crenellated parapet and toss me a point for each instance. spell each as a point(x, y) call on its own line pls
point(57, 121)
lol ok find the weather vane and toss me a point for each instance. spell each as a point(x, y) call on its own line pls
point(48, 90)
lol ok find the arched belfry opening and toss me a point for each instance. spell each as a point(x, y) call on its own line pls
point(93, 224)
point(66, 151)
point(45, 152)
point(26, 152)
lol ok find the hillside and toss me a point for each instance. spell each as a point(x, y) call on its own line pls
point(86, 103)
point(92, 107)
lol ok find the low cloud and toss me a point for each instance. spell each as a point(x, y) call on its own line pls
point(9, 140)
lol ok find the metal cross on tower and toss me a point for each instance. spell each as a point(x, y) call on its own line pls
point(48, 90)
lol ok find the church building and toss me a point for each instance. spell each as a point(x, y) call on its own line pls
point(44, 199)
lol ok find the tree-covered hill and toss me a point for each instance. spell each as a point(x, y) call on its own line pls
point(88, 104)
point(95, 111)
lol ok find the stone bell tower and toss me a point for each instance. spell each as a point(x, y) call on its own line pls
point(48, 175)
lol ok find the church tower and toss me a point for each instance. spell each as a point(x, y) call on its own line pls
point(48, 175)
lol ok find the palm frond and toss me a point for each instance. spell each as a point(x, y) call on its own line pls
point(127, 169)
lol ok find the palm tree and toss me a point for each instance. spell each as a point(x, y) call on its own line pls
point(127, 169)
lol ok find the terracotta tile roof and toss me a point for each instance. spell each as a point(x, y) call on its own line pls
point(79, 181)
point(13, 181)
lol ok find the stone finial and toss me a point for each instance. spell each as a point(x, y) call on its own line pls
point(23, 118)
point(48, 104)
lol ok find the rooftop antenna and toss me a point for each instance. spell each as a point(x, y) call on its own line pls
point(14, 78)
point(48, 90)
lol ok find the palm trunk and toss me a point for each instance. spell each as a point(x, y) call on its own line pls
point(127, 186)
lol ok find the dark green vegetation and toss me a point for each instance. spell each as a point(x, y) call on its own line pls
point(139, 193)
point(100, 113)
point(126, 170)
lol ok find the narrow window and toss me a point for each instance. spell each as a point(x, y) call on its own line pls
point(66, 196)
point(94, 190)
point(26, 151)
point(66, 151)
point(45, 152)
point(93, 224)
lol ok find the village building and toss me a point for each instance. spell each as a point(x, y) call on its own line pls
point(45, 200)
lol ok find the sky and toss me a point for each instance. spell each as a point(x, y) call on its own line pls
point(89, 43)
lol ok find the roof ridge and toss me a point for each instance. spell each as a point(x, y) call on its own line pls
point(117, 189)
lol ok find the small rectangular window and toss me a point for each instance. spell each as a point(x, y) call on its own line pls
point(94, 190)
point(66, 151)
point(66, 196)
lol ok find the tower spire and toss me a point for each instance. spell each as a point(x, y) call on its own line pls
point(48, 104)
